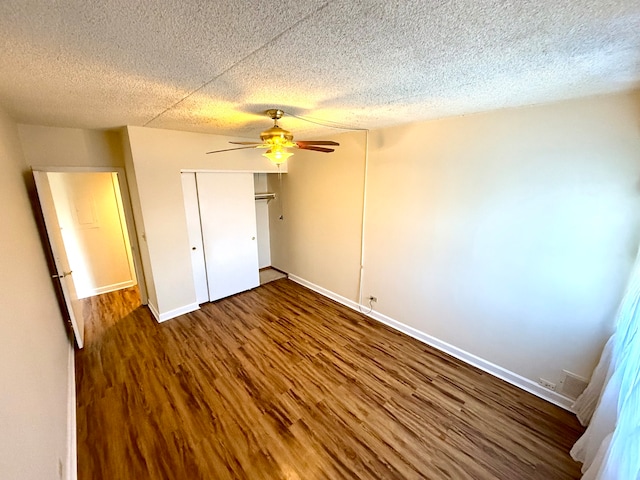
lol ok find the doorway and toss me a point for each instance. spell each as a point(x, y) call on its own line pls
point(89, 226)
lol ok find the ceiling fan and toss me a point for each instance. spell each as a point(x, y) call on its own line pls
point(277, 140)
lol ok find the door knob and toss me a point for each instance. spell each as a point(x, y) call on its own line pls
point(64, 274)
point(253, 238)
point(193, 248)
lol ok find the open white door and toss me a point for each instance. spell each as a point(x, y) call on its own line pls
point(64, 273)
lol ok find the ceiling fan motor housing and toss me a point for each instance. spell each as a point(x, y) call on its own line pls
point(277, 136)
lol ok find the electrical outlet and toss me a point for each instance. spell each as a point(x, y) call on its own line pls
point(372, 298)
point(547, 384)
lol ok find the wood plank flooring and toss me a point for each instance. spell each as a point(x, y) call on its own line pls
point(282, 383)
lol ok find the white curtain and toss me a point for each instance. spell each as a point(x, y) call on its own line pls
point(610, 405)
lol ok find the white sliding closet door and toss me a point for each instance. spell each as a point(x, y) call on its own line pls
point(228, 220)
point(190, 191)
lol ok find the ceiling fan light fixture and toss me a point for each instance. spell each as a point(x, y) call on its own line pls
point(277, 154)
point(277, 140)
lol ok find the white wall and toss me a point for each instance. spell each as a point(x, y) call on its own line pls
point(34, 348)
point(154, 159)
point(508, 235)
point(94, 230)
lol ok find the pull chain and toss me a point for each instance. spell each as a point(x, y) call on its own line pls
point(281, 217)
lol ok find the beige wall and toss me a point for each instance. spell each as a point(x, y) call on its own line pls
point(94, 230)
point(320, 200)
point(154, 160)
point(70, 147)
point(81, 149)
point(508, 234)
point(145, 260)
point(34, 349)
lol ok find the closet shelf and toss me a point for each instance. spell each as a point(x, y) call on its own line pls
point(265, 196)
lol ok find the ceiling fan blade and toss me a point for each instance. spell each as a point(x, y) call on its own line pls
point(318, 142)
point(246, 143)
point(315, 149)
point(229, 149)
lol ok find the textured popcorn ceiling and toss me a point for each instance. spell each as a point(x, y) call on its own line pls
point(214, 66)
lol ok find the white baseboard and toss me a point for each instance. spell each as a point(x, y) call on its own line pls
point(108, 288)
point(163, 317)
point(154, 310)
point(71, 467)
point(327, 293)
point(484, 365)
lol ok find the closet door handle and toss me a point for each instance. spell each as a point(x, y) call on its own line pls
point(193, 248)
point(253, 238)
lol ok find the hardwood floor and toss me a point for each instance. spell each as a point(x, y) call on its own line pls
point(282, 383)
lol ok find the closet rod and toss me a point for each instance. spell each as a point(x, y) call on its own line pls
point(265, 196)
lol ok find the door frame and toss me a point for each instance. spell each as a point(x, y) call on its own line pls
point(128, 214)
